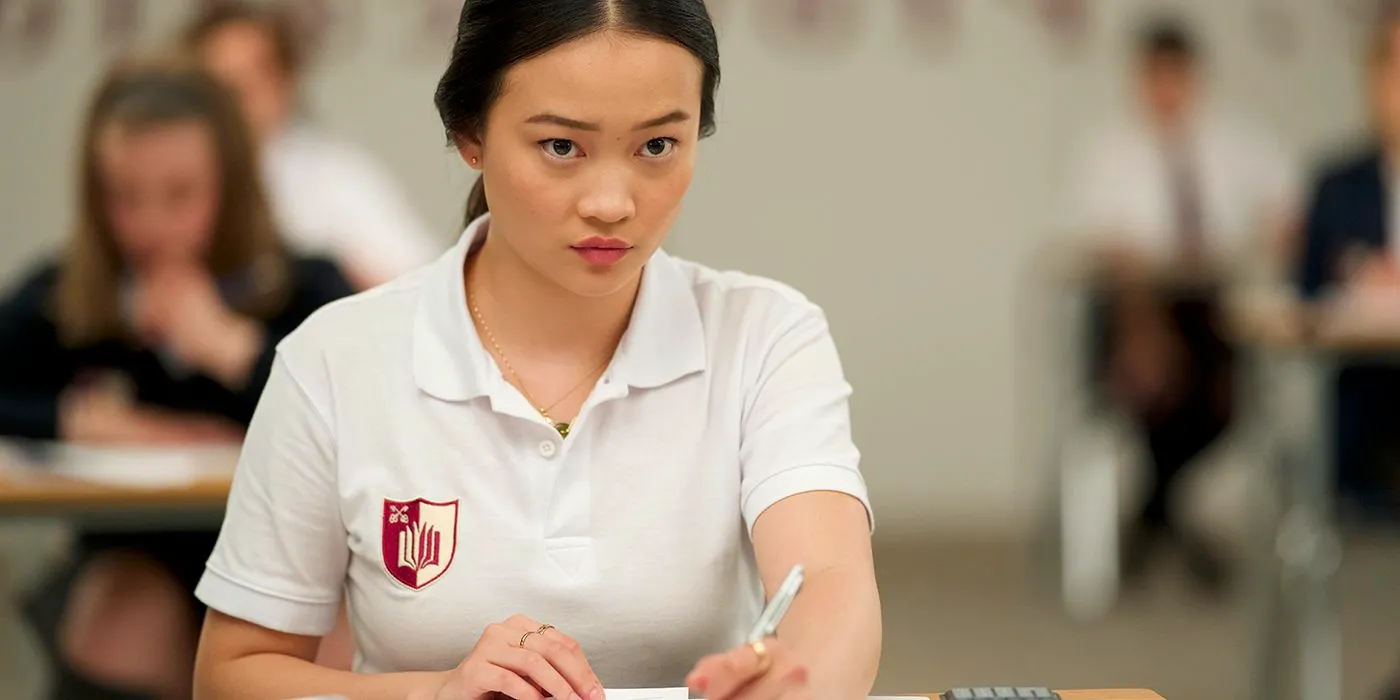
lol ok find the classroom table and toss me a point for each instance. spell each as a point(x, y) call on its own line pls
point(49, 481)
point(1289, 353)
point(1295, 363)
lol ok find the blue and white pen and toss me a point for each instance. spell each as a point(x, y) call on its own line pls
point(777, 607)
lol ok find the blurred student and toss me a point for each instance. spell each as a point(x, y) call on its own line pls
point(328, 196)
point(1352, 249)
point(156, 325)
point(1181, 185)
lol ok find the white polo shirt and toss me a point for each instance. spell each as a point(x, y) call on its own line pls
point(390, 458)
point(331, 198)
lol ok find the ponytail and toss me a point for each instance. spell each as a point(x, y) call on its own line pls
point(476, 202)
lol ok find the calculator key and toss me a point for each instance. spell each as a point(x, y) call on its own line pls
point(1044, 693)
point(983, 693)
point(962, 694)
point(1004, 693)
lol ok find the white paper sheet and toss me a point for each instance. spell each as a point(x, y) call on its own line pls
point(647, 693)
point(129, 467)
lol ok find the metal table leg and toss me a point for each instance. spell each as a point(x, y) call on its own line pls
point(1310, 545)
point(1261, 435)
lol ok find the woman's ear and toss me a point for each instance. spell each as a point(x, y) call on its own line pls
point(470, 150)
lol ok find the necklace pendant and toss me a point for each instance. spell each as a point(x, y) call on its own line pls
point(563, 429)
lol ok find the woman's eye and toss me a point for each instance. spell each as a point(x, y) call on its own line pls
point(658, 148)
point(560, 148)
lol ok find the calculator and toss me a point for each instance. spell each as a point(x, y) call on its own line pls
point(1000, 693)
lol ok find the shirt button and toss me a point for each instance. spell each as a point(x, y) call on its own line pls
point(547, 449)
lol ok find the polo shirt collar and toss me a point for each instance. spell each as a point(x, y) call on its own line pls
point(664, 341)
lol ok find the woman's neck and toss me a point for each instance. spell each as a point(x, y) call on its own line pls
point(533, 318)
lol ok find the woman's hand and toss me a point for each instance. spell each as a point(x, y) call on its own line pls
point(180, 310)
point(98, 415)
point(764, 671)
point(548, 664)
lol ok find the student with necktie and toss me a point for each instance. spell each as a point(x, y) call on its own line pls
point(1176, 185)
point(557, 459)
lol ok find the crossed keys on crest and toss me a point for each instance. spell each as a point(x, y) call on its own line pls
point(419, 545)
point(398, 514)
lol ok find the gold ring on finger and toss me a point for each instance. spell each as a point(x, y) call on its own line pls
point(545, 628)
point(765, 660)
point(527, 636)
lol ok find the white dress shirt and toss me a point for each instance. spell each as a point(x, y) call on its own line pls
point(1123, 188)
point(332, 199)
point(391, 459)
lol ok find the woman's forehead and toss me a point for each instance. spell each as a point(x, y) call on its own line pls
point(610, 78)
point(178, 144)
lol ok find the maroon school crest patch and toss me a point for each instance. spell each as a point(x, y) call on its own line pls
point(420, 539)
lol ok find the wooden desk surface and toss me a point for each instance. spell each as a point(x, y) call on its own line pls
point(45, 481)
point(1109, 695)
point(1099, 695)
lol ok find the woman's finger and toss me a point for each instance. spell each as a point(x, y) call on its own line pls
point(566, 656)
point(779, 682)
point(725, 675)
point(522, 623)
point(531, 666)
point(497, 679)
point(562, 651)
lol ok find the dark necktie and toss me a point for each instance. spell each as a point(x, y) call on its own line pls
point(1186, 203)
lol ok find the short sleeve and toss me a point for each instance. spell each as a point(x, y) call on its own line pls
point(796, 434)
point(282, 553)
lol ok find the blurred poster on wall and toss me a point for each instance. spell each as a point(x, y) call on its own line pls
point(326, 27)
point(435, 28)
point(1066, 22)
point(930, 25)
point(27, 30)
point(810, 30)
point(119, 23)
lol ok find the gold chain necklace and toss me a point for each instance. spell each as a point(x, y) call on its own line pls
point(560, 426)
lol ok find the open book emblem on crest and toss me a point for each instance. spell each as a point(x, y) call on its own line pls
point(420, 539)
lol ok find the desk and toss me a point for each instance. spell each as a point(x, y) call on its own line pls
point(1289, 353)
point(1096, 695)
point(46, 481)
point(1298, 548)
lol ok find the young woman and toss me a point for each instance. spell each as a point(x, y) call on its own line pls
point(156, 325)
point(328, 196)
point(558, 459)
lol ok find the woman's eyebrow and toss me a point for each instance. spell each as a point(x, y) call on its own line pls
point(673, 117)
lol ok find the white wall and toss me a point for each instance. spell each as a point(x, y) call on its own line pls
point(903, 189)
